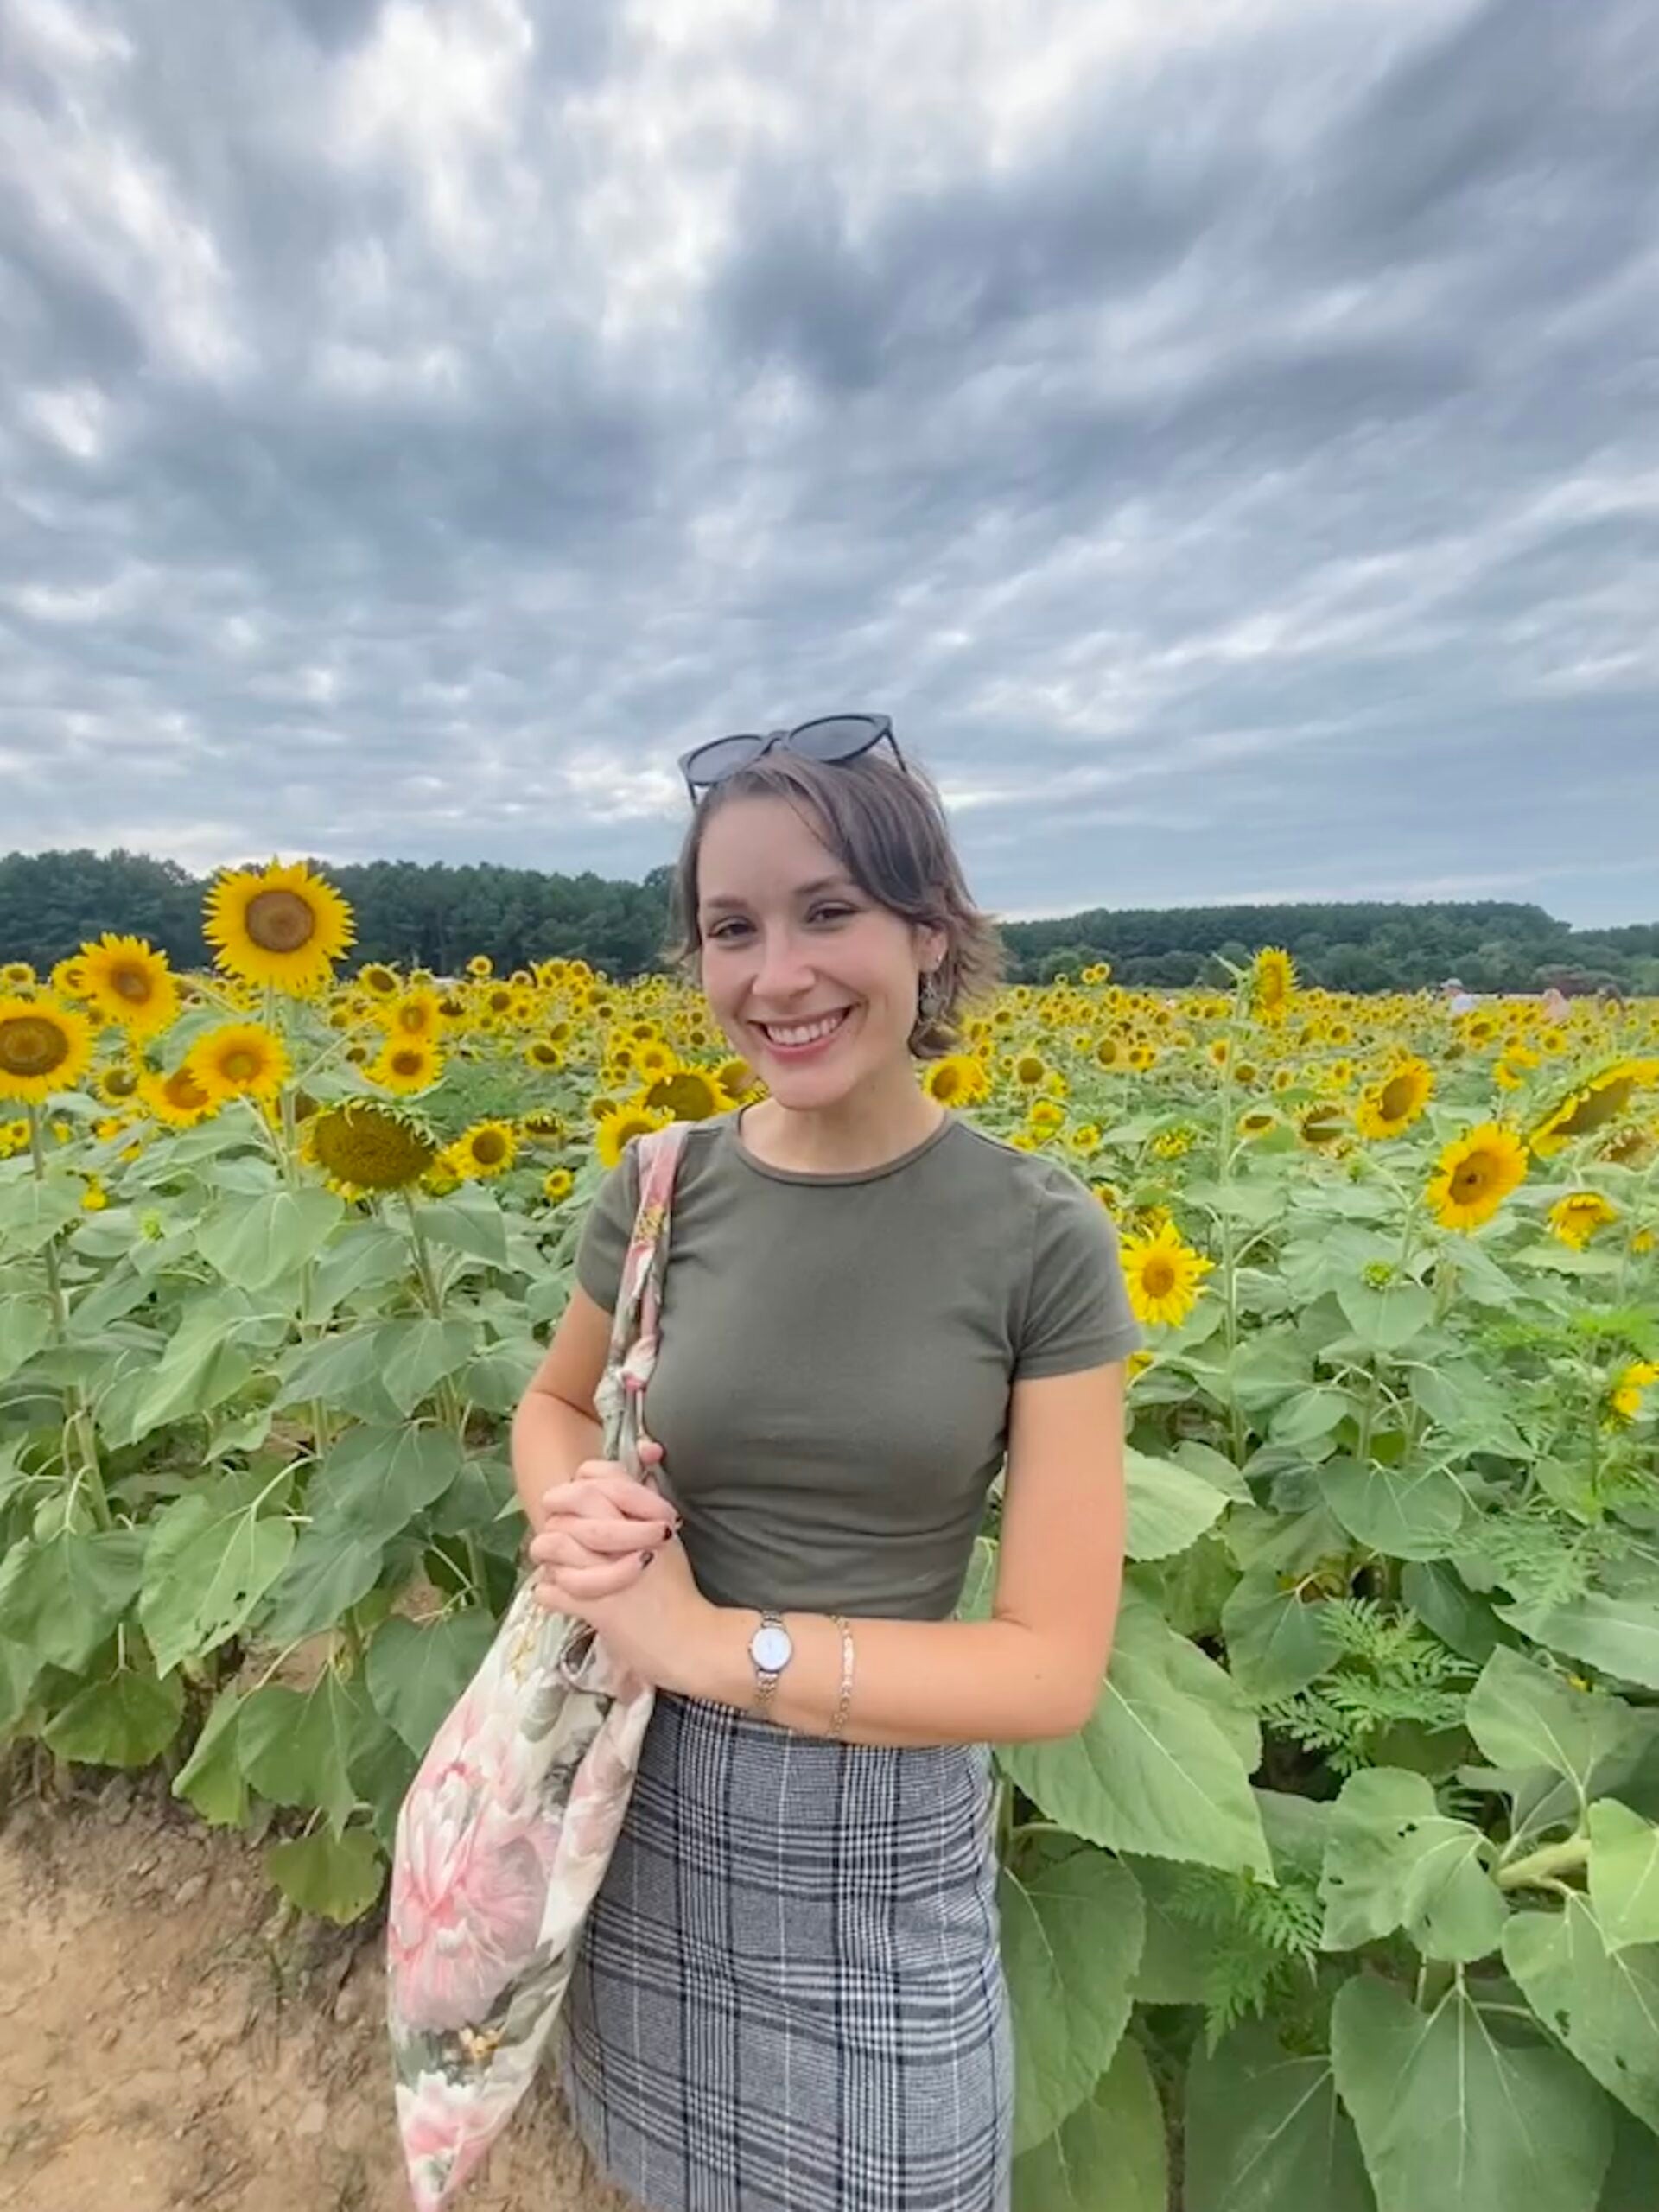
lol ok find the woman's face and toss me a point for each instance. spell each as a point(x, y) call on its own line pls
point(814, 982)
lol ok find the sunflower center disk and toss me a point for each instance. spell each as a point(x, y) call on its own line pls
point(31, 1046)
point(280, 921)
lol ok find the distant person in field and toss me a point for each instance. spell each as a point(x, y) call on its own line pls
point(790, 1989)
point(1457, 1000)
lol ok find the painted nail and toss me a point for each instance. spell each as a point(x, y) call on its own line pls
point(646, 1558)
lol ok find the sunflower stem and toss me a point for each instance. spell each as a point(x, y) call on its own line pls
point(80, 1419)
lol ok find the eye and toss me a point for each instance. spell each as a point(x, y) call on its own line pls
point(832, 912)
point(723, 930)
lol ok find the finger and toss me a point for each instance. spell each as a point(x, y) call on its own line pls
point(607, 1489)
point(584, 1584)
point(592, 1543)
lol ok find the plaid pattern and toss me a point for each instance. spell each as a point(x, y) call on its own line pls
point(789, 1996)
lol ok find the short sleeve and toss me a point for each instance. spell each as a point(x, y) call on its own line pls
point(605, 1231)
point(1077, 1312)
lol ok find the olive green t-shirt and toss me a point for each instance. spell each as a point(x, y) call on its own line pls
point(832, 1383)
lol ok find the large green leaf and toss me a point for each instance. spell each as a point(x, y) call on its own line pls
point(1163, 1764)
point(126, 1720)
point(1312, 1414)
point(1278, 1638)
point(1170, 1507)
point(295, 1746)
point(60, 1598)
point(33, 1210)
point(363, 1257)
point(213, 1555)
point(25, 1324)
point(330, 1570)
point(1385, 1318)
point(1620, 1635)
point(1523, 1715)
point(335, 1876)
point(1265, 2132)
point(470, 1220)
point(1436, 1592)
point(260, 1240)
point(341, 1372)
point(1393, 1860)
point(1406, 1513)
point(379, 1477)
point(1109, 2155)
point(1071, 1937)
point(212, 1779)
point(1624, 1874)
point(207, 1359)
point(416, 1355)
point(1450, 2121)
point(1603, 2004)
point(416, 1674)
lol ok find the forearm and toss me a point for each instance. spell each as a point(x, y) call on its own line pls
point(914, 1681)
point(551, 1440)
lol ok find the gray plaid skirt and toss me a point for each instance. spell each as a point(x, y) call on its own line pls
point(789, 1995)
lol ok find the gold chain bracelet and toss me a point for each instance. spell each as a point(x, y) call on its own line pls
point(844, 1702)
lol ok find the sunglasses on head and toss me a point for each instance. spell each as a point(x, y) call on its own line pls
point(832, 737)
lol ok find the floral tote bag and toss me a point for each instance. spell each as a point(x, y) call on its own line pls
point(507, 1830)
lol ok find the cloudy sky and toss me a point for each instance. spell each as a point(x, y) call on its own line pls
point(1224, 434)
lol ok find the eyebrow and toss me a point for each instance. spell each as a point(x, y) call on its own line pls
point(803, 891)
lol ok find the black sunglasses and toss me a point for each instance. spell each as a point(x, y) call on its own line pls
point(833, 737)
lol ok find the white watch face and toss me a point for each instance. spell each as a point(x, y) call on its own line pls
point(770, 1647)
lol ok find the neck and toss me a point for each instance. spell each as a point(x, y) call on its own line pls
point(871, 1125)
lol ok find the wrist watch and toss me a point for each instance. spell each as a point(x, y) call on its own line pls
point(771, 1649)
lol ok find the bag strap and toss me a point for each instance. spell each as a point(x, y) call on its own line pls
point(635, 1323)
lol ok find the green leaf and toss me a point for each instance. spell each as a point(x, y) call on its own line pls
point(1071, 1938)
point(212, 1779)
point(1388, 1317)
point(336, 1877)
point(341, 1372)
point(1629, 2186)
point(207, 1360)
point(1278, 1641)
point(1404, 1513)
point(1450, 2120)
point(497, 1379)
point(1217, 1470)
point(379, 1478)
point(365, 1255)
point(1163, 1764)
point(1394, 1861)
point(1109, 2155)
point(213, 1555)
point(1173, 1969)
point(126, 1720)
point(1619, 1634)
point(61, 1598)
point(1521, 1715)
point(33, 1210)
point(1311, 1414)
point(1264, 2133)
point(1603, 2004)
point(382, 1768)
point(255, 1243)
point(1170, 1507)
point(295, 1746)
point(470, 1220)
point(415, 1676)
point(330, 1570)
point(1267, 1367)
point(1624, 1874)
point(1436, 1594)
point(25, 1326)
point(416, 1355)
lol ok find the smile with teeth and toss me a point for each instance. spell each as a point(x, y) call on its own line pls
point(801, 1033)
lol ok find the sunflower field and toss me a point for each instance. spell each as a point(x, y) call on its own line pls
point(1346, 1896)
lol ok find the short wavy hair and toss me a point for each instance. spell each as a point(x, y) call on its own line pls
point(886, 826)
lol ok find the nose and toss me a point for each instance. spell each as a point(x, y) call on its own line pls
point(784, 973)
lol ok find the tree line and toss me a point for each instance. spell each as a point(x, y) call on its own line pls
point(436, 915)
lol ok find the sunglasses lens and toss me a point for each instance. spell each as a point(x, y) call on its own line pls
point(722, 756)
point(837, 737)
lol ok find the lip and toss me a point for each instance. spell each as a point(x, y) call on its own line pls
point(794, 1052)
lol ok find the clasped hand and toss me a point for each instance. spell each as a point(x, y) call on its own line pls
point(609, 1554)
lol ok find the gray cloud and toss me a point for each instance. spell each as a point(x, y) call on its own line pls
point(1222, 436)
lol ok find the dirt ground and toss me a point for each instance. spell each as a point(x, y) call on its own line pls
point(168, 2039)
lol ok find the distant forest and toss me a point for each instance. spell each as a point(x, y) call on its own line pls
point(435, 916)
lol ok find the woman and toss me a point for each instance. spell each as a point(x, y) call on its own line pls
point(789, 1994)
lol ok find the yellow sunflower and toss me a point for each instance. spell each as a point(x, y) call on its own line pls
point(959, 1079)
point(406, 1064)
point(1029, 1069)
point(177, 1099)
point(543, 1121)
point(487, 1148)
point(242, 1060)
point(415, 1014)
point(1475, 1173)
point(16, 975)
point(1257, 1122)
point(543, 1054)
point(481, 965)
point(1593, 1105)
point(279, 926)
point(44, 1047)
point(1576, 1217)
point(1625, 1393)
point(365, 1145)
point(622, 1122)
point(1163, 1274)
point(1273, 981)
point(130, 982)
point(378, 980)
point(557, 1184)
point(1394, 1104)
point(686, 1094)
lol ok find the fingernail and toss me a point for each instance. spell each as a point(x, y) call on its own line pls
point(646, 1558)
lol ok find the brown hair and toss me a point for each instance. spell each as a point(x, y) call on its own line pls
point(886, 826)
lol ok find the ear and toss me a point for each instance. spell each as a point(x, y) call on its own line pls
point(932, 946)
